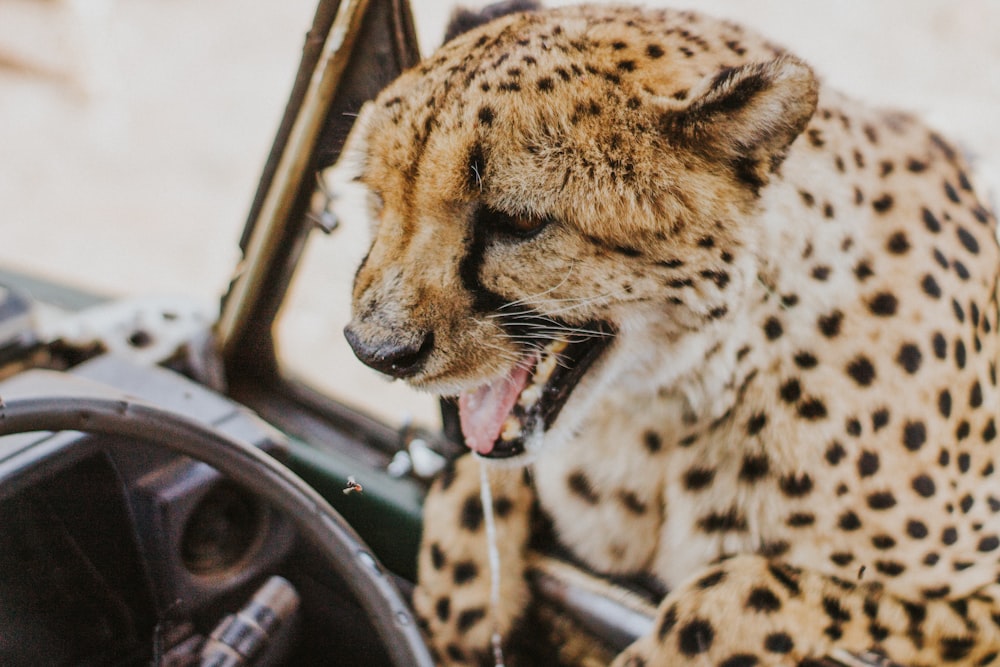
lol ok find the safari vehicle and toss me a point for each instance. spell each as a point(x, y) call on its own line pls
point(168, 494)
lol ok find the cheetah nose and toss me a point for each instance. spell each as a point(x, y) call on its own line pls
point(390, 356)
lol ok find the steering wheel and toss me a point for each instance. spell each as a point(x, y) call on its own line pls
point(317, 522)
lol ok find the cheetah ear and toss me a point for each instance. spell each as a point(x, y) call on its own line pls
point(463, 20)
point(747, 116)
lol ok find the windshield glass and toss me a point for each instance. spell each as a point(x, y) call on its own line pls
point(132, 136)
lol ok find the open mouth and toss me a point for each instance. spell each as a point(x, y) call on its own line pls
point(500, 417)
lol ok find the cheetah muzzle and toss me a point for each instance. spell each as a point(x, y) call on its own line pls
point(498, 418)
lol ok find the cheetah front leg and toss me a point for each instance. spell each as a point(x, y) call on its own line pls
point(453, 597)
point(749, 610)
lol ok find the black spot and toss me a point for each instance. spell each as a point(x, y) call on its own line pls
point(966, 503)
point(486, 116)
point(443, 609)
point(898, 244)
point(931, 287)
point(842, 558)
point(968, 240)
point(805, 360)
point(695, 637)
point(960, 269)
point(879, 419)
point(756, 423)
point(626, 65)
point(964, 462)
point(931, 559)
point(835, 610)
point(791, 391)
point(668, 622)
point(881, 500)
point(990, 431)
point(883, 203)
point(914, 435)
point(447, 476)
point(774, 549)
point(853, 427)
point(959, 353)
point(955, 649)
point(470, 617)
point(909, 358)
point(889, 567)
point(740, 660)
point(800, 519)
point(698, 478)
point(764, 600)
point(877, 631)
point(778, 642)
point(949, 536)
point(718, 522)
point(717, 313)
point(796, 486)
point(711, 579)
point(632, 502)
point(861, 371)
point(654, 51)
point(785, 575)
point(916, 529)
point(849, 521)
point(829, 325)
point(545, 84)
point(754, 468)
point(580, 485)
point(437, 556)
point(868, 463)
point(940, 345)
point(936, 593)
point(959, 311)
point(812, 409)
point(773, 328)
point(884, 304)
point(835, 453)
point(652, 441)
point(502, 506)
point(949, 191)
point(989, 543)
point(962, 432)
point(455, 652)
point(976, 395)
point(465, 572)
point(472, 513)
point(863, 270)
point(883, 542)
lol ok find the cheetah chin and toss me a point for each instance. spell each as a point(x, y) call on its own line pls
point(506, 417)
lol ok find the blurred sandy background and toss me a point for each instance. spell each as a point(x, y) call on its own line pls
point(132, 134)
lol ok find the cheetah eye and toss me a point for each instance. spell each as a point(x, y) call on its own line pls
point(518, 226)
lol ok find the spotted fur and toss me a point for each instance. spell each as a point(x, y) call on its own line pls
point(795, 429)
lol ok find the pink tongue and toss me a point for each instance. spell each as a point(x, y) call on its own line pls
point(482, 411)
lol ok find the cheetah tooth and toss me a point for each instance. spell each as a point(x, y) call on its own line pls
point(511, 429)
point(530, 395)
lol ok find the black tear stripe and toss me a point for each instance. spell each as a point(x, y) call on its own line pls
point(483, 300)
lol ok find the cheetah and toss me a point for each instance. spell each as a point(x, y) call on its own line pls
point(707, 320)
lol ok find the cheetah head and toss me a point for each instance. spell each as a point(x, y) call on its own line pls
point(559, 201)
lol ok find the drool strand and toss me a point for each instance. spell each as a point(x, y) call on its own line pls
point(486, 497)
